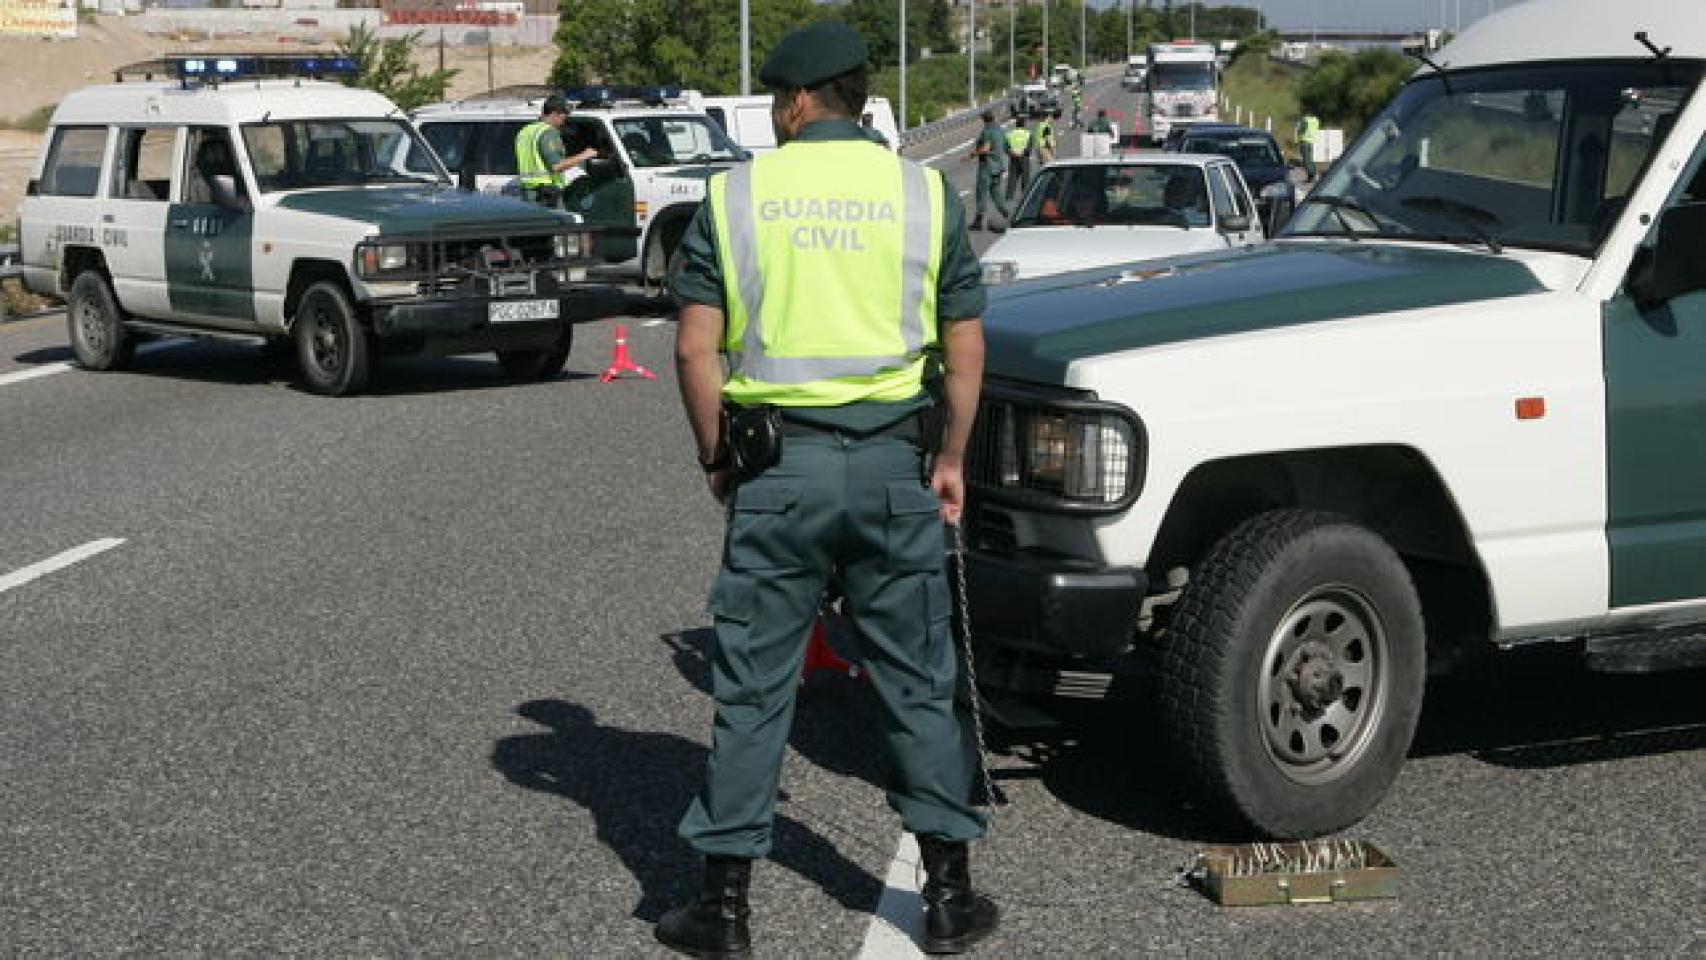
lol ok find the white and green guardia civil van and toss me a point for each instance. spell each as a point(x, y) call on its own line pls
point(1458, 404)
point(245, 199)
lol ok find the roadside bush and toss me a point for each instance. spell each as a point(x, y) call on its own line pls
point(35, 121)
point(1347, 91)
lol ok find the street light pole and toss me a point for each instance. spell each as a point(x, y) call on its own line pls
point(1048, 55)
point(745, 47)
point(1083, 51)
point(971, 53)
point(903, 64)
point(1130, 5)
point(1011, 24)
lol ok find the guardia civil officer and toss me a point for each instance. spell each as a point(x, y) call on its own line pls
point(989, 150)
point(1018, 158)
point(540, 157)
point(828, 272)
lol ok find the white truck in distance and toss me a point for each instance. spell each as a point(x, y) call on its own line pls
point(1184, 86)
point(1454, 407)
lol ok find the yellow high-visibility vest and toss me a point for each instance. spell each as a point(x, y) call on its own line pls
point(529, 162)
point(1018, 139)
point(830, 252)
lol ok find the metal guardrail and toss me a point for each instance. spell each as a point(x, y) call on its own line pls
point(935, 128)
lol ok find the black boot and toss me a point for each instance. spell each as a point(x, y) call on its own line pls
point(955, 916)
point(976, 224)
point(713, 926)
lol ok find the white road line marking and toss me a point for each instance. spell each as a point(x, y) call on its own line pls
point(898, 923)
point(944, 153)
point(654, 323)
point(60, 366)
point(18, 578)
point(46, 369)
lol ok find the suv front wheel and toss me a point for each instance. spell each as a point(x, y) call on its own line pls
point(98, 337)
point(332, 346)
point(1293, 679)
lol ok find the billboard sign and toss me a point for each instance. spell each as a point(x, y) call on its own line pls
point(38, 18)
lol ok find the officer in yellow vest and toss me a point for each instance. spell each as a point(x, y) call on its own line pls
point(829, 273)
point(540, 157)
point(1018, 158)
point(1308, 128)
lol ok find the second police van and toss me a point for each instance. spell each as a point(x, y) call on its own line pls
point(655, 154)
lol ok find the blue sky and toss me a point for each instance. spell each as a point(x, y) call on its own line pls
point(1361, 14)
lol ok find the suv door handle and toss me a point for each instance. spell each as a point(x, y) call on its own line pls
point(179, 224)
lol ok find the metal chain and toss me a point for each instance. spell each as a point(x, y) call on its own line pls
point(962, 639)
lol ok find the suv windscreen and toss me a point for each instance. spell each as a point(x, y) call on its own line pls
point(1124, 194)
point(294, 154)
point(666, 141)
point(1539, 156)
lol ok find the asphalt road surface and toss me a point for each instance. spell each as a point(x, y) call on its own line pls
point(422, 674)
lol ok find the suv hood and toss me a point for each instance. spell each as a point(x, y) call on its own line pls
point(424, 209)
point(1036, 329)
point(1040, 251)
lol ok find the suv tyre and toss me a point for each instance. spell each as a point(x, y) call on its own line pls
point(538, 364)
point(98, 337)
point(332, 346)
point(1293, 679)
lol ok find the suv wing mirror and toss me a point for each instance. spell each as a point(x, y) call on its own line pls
point(224, 189)
point(1672, 265)
point(603, 168)
point(1234, 223)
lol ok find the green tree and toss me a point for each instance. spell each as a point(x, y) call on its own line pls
point(692, 42)
point(388, 67)
point(1348, 90)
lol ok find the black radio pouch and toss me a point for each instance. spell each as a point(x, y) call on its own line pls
point(755, 438)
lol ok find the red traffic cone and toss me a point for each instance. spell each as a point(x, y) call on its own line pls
point(620, 362)
point(821, 656)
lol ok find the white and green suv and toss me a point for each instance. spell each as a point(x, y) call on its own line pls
point(222, 205)
point(655, 154)
point(1458, 404)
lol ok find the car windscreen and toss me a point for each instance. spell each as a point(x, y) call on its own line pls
point(295, 154)
point(1182, 76)
point(1244, 150)
point(1541, 156)
point(666, 141)
point(1116, 194)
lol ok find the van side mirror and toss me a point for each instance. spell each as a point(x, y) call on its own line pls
point(1277, 203)
point(602, 168)
point(1234, 223)
point(225, 194)
point(1671, 265)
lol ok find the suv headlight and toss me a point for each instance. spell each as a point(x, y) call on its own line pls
point(378, 259)
point(1066, 455)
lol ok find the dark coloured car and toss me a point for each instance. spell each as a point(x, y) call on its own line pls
point(1255, 152)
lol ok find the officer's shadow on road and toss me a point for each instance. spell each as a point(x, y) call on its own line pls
point(636, 785)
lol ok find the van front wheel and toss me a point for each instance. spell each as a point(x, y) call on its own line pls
point(1293, 679)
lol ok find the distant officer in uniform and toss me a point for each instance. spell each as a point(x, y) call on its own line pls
point(828, 272)
point(1046, 138)
point(1100, 124)
point(990, 151)
point(1078, 105)
point(1018, 159)
point(540, 157)
point(1308, 126)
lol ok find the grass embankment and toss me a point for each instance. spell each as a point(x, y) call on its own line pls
point(33, 122)
point(1264, 89)
point(937, 87)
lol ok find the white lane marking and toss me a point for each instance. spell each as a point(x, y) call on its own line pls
point(60, 366)
point(46, 369)
point(948, 151)
point(898, 923)
point(18, 578)
point(653, 323)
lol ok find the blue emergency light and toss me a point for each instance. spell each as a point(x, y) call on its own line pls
point(607, 94)
point(218, 68)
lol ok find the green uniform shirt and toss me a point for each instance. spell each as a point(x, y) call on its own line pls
point(997, 141)
point(1099, 125)
point(959, 286)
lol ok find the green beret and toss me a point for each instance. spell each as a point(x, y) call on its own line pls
point(814, 55)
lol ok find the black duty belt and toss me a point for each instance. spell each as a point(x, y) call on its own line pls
point(906, 428)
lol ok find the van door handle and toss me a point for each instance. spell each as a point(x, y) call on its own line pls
point(180, 224)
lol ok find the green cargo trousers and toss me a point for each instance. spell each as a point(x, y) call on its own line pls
point(858, 511)
point(988, 184)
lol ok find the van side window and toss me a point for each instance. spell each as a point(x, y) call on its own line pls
point(74, 164)
point(142, 169)
point(448, 140)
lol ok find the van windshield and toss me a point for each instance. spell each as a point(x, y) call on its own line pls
point(294, 154)
point(667, 141)
point(1541, 156)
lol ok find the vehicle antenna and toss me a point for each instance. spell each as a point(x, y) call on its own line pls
point(1641, 35)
